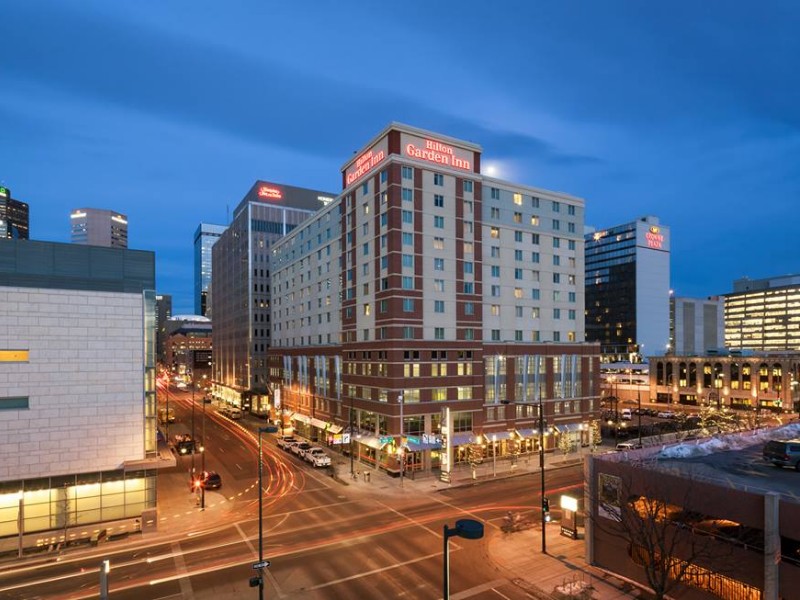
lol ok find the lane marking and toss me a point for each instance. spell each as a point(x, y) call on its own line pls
point(407, 518)
point(479, 589)
point(180, 567)
point(373, 572)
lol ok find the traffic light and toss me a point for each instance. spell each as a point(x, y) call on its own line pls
point(546, 509)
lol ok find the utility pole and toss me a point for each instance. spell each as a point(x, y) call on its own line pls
point(402, 448)
point(541, 469)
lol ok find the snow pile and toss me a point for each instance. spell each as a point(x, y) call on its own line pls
point(729, 441)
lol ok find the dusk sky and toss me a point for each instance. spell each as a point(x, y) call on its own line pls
point(168, 111)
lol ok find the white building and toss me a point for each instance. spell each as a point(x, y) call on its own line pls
point(697, 325)
point(99, 227)
point(77, 397)
point(627, 289)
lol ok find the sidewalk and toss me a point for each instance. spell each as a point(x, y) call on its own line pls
point(561, 573)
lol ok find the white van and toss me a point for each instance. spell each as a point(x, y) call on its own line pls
point(627, 415)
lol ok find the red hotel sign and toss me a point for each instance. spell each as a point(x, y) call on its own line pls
point(364, 164)
point(439, 153)
point(654, 237)
point(272, 193)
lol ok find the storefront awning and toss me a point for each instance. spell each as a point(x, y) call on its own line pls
point(302, 418)
point(565, 427)
point(371, 441)
point(497, 436)
point(419, 446)
point(527, 433)
point(335, 429)
point(464, 437)
point(319, 423)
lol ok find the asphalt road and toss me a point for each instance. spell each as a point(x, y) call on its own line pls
point(324, 539)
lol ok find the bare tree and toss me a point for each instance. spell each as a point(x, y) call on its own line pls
point(669, 542)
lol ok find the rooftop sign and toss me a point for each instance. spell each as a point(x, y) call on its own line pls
point(366, 162)
point(270, 193)
point(437, 152)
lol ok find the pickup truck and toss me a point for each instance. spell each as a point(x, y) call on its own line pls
point(317, 457)
point(286, 441)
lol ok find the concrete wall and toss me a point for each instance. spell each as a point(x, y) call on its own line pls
point(84, 380)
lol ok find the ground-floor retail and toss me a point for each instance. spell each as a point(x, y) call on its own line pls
point(59, 507)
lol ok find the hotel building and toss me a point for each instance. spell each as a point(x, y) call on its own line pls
point(763, 314)
point(627, 289)
point(99, 227)
point(240, 287)
point(696, 325)
point(736, 380)
point(77, 396)
point(204, 239)
point(14, 216)
point(430, 295)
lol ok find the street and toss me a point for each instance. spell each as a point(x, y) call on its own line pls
point(324, 538)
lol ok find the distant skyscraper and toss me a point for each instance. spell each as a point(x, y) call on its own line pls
point(14, 216)
point(241, 286)
point(697, 325)
point(763, 314)
point(627, 289)
point(163, 314)
point(99, 227)
point(204, 239)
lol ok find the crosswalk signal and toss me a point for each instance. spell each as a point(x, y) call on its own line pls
point(255, 581)
point(546, 509)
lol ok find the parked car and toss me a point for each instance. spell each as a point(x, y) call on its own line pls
point(234, 413)
point(317, 457)
point(666, 414)
point(626, 414)
point(300, 448)
point(184, 444)
point(211, 480)
point(626, 446)
point(783, 453)
point(286, 441)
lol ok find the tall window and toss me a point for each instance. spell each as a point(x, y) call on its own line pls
point(438, 179)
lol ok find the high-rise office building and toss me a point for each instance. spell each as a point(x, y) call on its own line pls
point(627, 289)
point(99, 227)
point(697, 325)
point(163, 314)
point(204, 239)
point(77, 405)
point(240, 286)
point(431, 312)
point(14, 216)
point(763, 314)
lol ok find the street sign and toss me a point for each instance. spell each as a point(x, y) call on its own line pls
point(261, 565)
point(386, 439)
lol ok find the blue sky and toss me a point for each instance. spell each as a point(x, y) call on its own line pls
point(168, 111)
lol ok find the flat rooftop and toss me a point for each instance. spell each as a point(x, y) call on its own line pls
point(733, 459)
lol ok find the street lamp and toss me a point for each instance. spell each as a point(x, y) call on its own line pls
point(261, 430)
point(468, 529)
point(402, 448)
point(352, 434)
point(203, 471)
point(193, 438)
point(639, 412)
point(494, 455)
point(541, 468)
